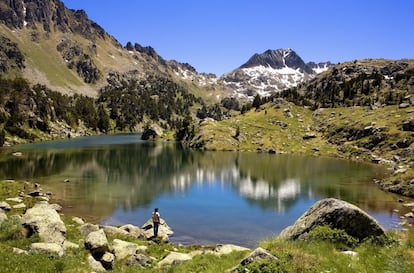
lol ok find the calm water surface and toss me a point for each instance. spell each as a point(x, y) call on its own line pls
point(206, 197)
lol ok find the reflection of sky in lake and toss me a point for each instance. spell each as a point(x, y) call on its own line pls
point(206, 197)
point(210, 211)
point(213, 212)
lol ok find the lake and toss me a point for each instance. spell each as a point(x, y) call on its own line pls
point(206, 197)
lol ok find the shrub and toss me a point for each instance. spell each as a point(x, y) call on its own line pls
point(338, 237)
point(11, 230)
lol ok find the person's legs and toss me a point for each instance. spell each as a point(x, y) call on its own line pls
point(156, 229)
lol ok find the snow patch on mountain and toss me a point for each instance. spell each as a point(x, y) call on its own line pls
point(263, 80)
point(201, 79)
point(322, 68)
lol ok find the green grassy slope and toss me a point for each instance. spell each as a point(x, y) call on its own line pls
point(356, 133)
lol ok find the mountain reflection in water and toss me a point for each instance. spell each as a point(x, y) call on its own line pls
point(207, 197)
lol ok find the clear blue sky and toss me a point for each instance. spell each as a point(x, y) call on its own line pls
point(217, 36)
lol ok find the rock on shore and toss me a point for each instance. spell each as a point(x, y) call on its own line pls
point(336, 214)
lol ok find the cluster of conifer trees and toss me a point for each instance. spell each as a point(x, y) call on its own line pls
point(155, 99)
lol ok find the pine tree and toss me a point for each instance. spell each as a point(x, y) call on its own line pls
point(257, 101)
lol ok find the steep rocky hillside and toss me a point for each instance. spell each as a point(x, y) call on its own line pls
point(371, 82)
point(47, 43)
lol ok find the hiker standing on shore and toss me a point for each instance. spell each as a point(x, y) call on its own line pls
point(156, 221)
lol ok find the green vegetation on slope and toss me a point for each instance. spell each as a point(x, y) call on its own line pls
point(356, 133)
point(273, 128)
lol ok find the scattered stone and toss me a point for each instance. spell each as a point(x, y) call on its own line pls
point(336, 214)
point(20, 251)
point(400, 170)
point(88, 228)
point(350, 253)
point(308, 136)
point(288, 113)
point(375, 159)
point(108, 260)
point(78, 220)
point(5, 206)
point(35, 193)
point(44, 198)
point(139, 260)
point(19, 206)
point(123, 249)
point(133, 231)
point(114, 231)
point(409, 215)
point(9, 180)
point(15, 199)
point(97, 243)
point(408, 125)
point(408, 205)
point(68, 245)
point(258, 254)
point(45, 221)
point(404, 105)
point(66, 180)
point(175, 258)
point(48, 248)
point(94, 264)
point(227, 249)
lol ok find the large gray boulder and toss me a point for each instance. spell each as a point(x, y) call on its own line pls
point(87, 228)
point(94, 264)
point(164, 231)
point(336, 214)
point(257, 255)
point(139, 259)
point(133, 231)
point(176, 258)
point(45, 221)
point(47, 248)
point(4, 205)
point(123, 249)
point(108, 260)
point(97, 243)
point(228, 248)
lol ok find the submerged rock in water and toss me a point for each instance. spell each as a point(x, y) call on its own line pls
point(336, 214)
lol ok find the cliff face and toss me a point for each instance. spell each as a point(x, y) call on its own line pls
point(51, 15)
point(370, 82)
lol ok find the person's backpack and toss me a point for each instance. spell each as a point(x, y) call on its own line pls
point(155, 217)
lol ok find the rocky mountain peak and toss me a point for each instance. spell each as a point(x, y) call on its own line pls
point(278, 59)
point(270, 72)
point(50, 15)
